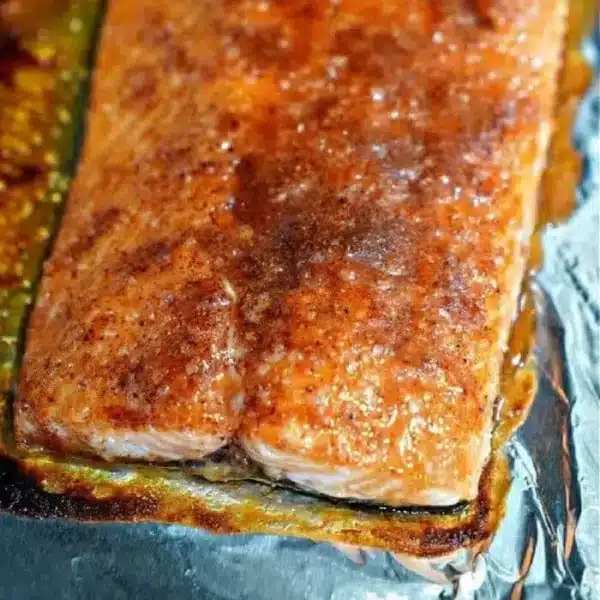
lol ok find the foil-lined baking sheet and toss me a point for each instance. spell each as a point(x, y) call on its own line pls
point(546, 547)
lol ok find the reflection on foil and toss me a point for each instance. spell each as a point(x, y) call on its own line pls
point(548, 545)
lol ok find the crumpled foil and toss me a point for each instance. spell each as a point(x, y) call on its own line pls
point(546, 547)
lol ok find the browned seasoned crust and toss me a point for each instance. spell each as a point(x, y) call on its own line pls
point(310, 204)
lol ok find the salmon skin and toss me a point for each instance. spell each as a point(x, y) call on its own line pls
point(299, 228)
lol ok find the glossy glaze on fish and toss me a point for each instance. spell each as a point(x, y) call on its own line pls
point(300, 227)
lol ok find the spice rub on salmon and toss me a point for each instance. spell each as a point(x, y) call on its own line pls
point(299, 227)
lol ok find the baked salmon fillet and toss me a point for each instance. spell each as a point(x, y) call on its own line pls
point(299, 228)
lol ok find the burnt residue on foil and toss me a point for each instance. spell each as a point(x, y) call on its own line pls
point(544, 548)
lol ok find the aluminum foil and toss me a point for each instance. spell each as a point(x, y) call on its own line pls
point(546, 547)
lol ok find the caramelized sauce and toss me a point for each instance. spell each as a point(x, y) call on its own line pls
point(14, 58)
point(556, 202)
point(43, 58)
